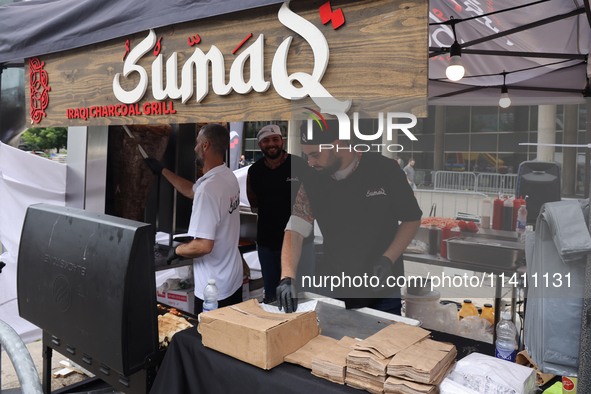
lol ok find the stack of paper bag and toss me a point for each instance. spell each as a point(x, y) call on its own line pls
point(423, 362)
point(366, 371)
point(303, 356)
point(331, 361)
point(420, 368)
point(392, 339)
point(364, 381)
point(394, 385)
point(367, 363)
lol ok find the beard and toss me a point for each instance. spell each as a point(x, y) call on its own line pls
point(332, 166)
point(198, 160)
point(275, 155)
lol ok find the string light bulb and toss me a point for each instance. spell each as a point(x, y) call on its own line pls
point(505, 100)
point(455, 70)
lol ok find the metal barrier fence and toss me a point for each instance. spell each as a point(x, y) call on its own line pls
point(454, 180)
point(449, 203)
point(483, 182)
point(420, 178)
point(496, 183)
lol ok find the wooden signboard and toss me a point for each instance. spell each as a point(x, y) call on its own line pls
point(379, 54)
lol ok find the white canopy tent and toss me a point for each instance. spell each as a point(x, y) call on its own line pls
point(541, 50)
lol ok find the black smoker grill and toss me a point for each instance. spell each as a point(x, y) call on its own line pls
point(87, 280)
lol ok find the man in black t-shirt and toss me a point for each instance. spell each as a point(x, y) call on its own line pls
point(358, 200)
point(272, 184)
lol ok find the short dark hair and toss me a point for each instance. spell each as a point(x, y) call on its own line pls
point(218, 136)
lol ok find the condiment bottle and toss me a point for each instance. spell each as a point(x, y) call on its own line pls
point(508, 215)
point(498, 214)
point(485, 216)
point(488, 313)
point(433, 239)
point(445, 234)
point(468, 309)
point(516, 205)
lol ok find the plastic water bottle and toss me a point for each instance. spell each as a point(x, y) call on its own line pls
point(210, 296)
point(521, 222)
point(505, 346)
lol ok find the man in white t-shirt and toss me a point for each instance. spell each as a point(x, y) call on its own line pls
point(215, 218)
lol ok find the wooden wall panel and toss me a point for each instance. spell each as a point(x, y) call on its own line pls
point(380, 53)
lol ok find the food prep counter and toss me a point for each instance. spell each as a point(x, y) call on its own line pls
point(191, 367)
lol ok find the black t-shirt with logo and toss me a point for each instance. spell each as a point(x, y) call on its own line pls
point(275, 190)
point(359, 216)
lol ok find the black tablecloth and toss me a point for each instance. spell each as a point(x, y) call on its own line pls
point(190, 367)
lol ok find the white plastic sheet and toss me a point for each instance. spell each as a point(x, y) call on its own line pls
point(25, 179)
point(241, 175)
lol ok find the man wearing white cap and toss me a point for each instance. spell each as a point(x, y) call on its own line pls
point(272, 184)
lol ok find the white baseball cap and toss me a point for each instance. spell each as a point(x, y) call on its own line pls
point(268, 130)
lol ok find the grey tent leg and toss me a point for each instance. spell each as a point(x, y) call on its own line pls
point(21, 359)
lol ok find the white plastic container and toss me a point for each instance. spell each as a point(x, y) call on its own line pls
point(418, 307)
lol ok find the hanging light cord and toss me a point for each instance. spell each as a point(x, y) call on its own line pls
point(453, 22)
point(514, 71)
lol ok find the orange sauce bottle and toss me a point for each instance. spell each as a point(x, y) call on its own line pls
point(488, 313)
point(468, 309)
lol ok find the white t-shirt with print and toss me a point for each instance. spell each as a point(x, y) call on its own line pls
point(216, 216)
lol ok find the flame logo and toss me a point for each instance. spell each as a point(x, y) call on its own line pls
point(61, 293)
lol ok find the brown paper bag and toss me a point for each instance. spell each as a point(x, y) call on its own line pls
point(423, 362)
point(303, 356)
point(392, 339)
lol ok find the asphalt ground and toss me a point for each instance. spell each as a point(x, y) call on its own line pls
point(10, 379)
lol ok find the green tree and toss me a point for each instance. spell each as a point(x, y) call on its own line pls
point(46, 138)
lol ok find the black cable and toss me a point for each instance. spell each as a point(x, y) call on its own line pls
point(511, 72)
point(455, 21)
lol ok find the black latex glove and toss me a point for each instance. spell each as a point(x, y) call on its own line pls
point(172, 255)
point(382, 268)
point(154, 165)
point(287, 296)
point(2, 265)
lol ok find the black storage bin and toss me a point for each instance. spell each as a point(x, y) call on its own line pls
point(540, 182)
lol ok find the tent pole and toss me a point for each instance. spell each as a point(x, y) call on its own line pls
point(584, 377)
point(2, 67)
point(588, 141)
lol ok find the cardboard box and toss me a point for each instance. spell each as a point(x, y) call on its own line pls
point(179, 299)
point(246, 332)
point(524, 359)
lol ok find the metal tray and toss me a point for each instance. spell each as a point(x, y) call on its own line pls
point(485, 252)
point(498, 234)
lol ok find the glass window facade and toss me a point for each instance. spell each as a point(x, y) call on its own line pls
point(479, 139)
point(484, 139)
